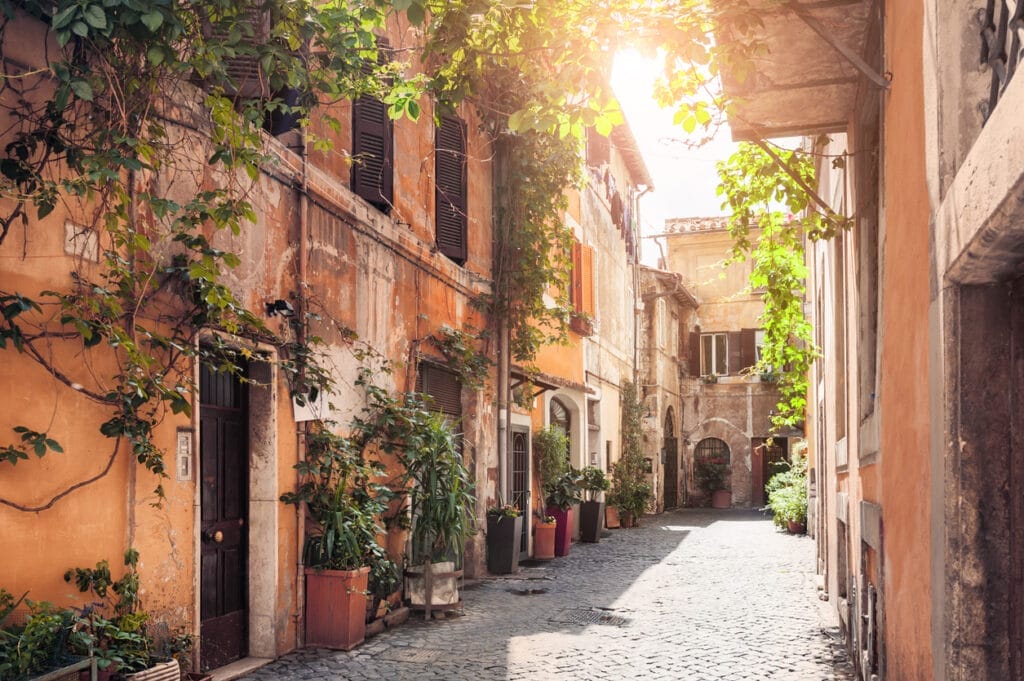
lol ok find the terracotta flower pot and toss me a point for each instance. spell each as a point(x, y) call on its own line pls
point(721, 499)
point(611, 518)
point(627, 519)
point(336, 608)
point(544, 541)
point(795, 527)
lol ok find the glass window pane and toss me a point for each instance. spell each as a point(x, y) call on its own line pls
point(721, 354)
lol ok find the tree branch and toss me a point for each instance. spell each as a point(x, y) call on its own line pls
point(60, 495)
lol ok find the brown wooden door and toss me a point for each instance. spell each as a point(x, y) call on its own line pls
point(671, 472)
point(224, 504)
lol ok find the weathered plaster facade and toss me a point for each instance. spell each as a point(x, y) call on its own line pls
point(721, 399)
point(913, 413)
point(378, 275)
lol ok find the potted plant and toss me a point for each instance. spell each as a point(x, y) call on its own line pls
point(544, 537)
point(593, 482)
point(440, 501)
point(504, 529)
point(630, 490)
point(787, 496)
point(711, 477)
point(337, 488)
point(558, 482)
point(113, 630)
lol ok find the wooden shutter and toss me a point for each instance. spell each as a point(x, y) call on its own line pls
point(373, 143)
point(450, 188)
point(373, 152)
point(576, 292)
point(735, 342)
point(587, 280)
point(245, 76)
point(748, 348)
point(694, 358)
point(442, 386)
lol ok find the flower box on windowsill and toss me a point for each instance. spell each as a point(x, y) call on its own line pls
point(582, 325)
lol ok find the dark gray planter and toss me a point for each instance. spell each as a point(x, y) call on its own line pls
point(503, 536)
point(591, 515)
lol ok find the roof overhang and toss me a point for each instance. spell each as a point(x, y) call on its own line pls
point(544, 382)
point(806, 82)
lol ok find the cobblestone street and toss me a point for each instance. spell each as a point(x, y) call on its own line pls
point(691, 595)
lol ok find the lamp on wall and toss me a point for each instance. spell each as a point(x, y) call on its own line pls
point(279, 307)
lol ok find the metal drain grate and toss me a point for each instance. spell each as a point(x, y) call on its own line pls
point(585, 616)
point(419, 656)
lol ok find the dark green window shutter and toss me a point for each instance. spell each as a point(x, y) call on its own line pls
point(373, 141)
point(450, 184)
point(443, 389)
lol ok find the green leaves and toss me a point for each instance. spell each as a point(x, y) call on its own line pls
point(32, 442)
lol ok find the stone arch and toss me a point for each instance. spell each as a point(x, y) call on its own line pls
point(571, 407)
point(739, 448)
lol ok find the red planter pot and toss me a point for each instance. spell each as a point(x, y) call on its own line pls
point(336, 608)
point(795, 527)
point(563, 531)
point(721, 499)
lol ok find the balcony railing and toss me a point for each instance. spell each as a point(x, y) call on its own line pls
point(1002, 25)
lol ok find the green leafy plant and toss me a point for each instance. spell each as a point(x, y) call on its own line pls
point(630, 490)
point(440, 495)
point(787, 492)
point(564, 491)
point(593, 481)
point(551, 452)
point(504, 511)
point(338, 488)
point(711, 476)
point(37, 645)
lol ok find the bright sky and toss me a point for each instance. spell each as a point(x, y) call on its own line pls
point(684, 178)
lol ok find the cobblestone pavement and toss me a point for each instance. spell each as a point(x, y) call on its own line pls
point(692, 595)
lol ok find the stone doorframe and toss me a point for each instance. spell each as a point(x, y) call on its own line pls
point(264, 506)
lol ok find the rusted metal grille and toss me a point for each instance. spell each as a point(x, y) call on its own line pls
point(585, 616)
point(1002, 23)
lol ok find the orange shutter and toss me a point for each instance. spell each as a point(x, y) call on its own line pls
point(587, 280)
point(576, 291)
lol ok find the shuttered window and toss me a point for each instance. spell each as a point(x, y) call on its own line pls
point(442, 388)
point(373, 137)
point(450, 184)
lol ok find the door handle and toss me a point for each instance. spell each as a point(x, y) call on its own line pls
point(215, 537)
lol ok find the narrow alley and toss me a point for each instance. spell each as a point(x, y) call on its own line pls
point(694, 595)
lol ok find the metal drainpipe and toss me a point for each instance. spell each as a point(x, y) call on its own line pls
point(300, 332)
point(636, 288)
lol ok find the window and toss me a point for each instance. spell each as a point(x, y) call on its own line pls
point(598, 148)
point(561, 418)
point(442, 388)
point(373, 140)
point(714, 354)
point(450, 188)
point(712, 450)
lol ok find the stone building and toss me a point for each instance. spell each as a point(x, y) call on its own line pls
point(726, 409)
point(913, 416)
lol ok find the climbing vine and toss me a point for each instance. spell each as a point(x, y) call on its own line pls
point(773, 212)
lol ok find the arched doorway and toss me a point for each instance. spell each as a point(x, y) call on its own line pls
point(670, 457)
point(560, 416)
point(712, 451)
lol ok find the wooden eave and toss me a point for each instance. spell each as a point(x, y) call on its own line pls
point(807, 81)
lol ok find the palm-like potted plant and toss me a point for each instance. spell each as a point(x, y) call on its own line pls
point(504, 529)
point(338, 487)
point(593, 482)
point(440, 500)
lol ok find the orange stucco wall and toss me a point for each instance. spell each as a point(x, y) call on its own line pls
point(903, 336)
point(378, 275)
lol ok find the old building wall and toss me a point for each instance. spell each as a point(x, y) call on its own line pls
point(379, 276)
